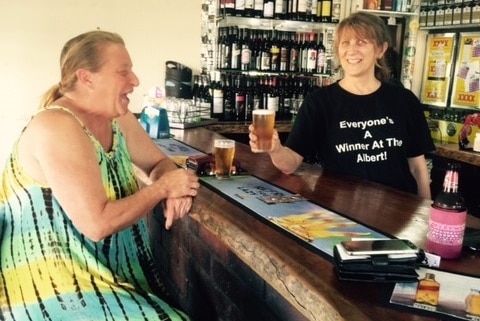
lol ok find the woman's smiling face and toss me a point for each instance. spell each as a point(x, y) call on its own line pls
point(358, 55)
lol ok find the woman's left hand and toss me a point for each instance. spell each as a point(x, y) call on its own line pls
point(176, 208)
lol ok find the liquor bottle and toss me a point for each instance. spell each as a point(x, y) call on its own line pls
point(312, 51)
point(280, 11)
point(272, 94)
point(257, 94)
point(284, 52)
point(254, 49)
point(239, 94)
point(246, 52)
point(239, 8)
point(321, 58)
point(428, 290)
point(313, 12)
point(236, 49)
point(249, 98)
point(229, 7)
point(275, 51)
point(301, 10)
point(222, 34)
point(265, 53)
point(447, 219)
point(258, 8)
point(292, 10)
point(217, 96)
point(303, 53)
point(228, 99)
point(326, 11)
point(227, 49)
point(293, 65)
point(336, 10)
point(268, 9)
point(249, 8)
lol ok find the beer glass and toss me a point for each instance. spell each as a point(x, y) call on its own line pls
point(224, 150)
point(263, 123)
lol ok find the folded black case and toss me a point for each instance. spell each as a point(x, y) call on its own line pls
point(376, 268)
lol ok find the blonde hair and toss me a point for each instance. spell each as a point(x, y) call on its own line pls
point(371, 27)
point(83, 51)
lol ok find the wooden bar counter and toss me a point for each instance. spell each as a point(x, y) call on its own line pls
point(294, 275)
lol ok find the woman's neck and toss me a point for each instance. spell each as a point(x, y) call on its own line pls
point(360, 86)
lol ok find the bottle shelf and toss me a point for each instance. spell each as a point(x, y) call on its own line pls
point(273, 24)
point(386, 13)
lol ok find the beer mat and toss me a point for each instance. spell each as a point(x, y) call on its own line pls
point(449, 296)
point(314, 226)
point(178, 151)
point(282, 199)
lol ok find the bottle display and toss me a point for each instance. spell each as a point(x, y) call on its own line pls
point(246, 49)
point(232, 96)
point(325, 11)
point(447, 219)
point(428, 290)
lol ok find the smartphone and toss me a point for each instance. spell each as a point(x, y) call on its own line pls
point(376, 246)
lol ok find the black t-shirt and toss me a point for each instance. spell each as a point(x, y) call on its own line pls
point(369, 136)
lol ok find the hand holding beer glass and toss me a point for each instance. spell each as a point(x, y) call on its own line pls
point(224, 150)
point(263, 124)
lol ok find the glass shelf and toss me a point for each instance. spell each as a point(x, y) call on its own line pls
point(261, 23)
point(384, 13)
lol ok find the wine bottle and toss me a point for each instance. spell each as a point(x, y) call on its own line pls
point(236, 49)
point(258, 8)
point(249, 8)
point(284, 52)
point(326, 11)
point(239, 8)
point(321, 58)
point(275, 50)
point(293, 65)
point(229, 7)
point(312, 51)
point(280, 9)
point(268, 9)
point(217, 96)
point(228, 99)
point(447, 219)
point(246, 52)
point(302, 10)
point(239, 93)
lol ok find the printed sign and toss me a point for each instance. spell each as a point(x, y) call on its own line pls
point(466, 84)
point(438, 62)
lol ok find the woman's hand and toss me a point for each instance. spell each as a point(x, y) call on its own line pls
point(179, 183)
point(176, 208)
point(276, 144)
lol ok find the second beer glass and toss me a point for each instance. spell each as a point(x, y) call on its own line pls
point(263, 122)
point(224, 150)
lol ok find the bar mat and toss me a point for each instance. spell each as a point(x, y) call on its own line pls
point(314, 226)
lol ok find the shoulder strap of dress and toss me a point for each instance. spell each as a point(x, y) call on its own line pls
point(66, 110)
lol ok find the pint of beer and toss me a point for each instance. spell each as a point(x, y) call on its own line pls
point(263, 122)
point(224, 150)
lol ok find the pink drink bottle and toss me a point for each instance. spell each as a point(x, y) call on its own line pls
point(448, 214)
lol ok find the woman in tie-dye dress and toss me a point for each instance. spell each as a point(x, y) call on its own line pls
point(74, 243)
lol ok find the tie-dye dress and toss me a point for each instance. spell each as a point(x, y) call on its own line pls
point(51, 271)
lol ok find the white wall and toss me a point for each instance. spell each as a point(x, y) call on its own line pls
point(32, 33)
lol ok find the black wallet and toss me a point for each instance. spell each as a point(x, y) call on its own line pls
point(376, 268)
